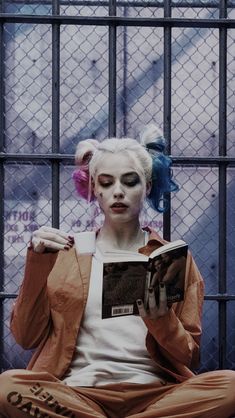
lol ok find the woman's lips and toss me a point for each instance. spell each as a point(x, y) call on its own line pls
point(119, 207)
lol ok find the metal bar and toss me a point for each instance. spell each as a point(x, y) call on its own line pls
point(217, 297)
point(37, 157)
point(55, 116)
point(220, 297)
point(2, 89)
point(1, 261)
point(147, 4)
point(56, 7)
point(222, 186)
point(167, 111)
point(118, 21)
point(112, 71)
point(8, 295)
point(124, 97)
point(69, 158)
point(2, 176)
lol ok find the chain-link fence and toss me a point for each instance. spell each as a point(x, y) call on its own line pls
point(89, 69)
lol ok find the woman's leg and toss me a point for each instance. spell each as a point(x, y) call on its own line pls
point(208, 395)
point(41, 395)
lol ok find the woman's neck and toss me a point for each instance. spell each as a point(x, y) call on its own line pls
point(121, 237)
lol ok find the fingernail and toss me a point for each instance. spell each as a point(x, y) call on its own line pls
point(139, 302)
point(71, 238)
point(70, 244)
point(66, 247)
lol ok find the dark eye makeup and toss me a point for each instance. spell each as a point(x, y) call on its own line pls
point(129, 179)
point(105, 180)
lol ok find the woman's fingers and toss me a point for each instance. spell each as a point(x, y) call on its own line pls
point(154, 311)
point(38, 246)
point(53, 230)
point(55, 246)
point(52, 234)
point(142, 310)
point(52, 239)
point(152, 301)
point(162, 308)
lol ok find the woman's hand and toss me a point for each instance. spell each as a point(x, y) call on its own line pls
point(50, 239)
point(155, 311)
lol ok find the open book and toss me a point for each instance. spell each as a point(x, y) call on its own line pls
point(126, 280)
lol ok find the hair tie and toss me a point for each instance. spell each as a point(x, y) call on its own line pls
point(158, 145)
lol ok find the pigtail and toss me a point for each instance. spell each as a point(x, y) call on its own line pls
point(81, 176)
point(162, 182)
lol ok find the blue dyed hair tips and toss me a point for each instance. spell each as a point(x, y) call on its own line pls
point(162, 182)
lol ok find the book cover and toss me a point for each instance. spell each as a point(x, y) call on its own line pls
point(126, 281)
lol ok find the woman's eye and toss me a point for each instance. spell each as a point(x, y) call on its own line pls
point(105, 184)
point(131, 180)
point(130, 183)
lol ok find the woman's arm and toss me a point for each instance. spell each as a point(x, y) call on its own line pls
point(30, 318)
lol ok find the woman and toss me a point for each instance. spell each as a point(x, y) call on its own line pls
point(132, 366)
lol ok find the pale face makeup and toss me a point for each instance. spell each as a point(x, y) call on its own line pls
point(119, 187)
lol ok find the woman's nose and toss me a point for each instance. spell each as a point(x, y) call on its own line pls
point(118, 191)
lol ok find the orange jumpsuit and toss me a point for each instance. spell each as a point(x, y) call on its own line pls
point(47, 315)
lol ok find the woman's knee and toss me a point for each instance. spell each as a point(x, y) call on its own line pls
point(229, 375)
point(226, 381)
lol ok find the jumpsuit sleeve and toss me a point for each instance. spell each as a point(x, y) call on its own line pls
point(30, 317)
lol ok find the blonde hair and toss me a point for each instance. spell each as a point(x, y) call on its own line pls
point(123, 145)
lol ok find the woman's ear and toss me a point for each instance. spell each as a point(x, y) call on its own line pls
point(148, 187)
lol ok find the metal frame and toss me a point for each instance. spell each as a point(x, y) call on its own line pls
point(222, 181)
point(122, 3)
point(55, 158)
point(2, 149)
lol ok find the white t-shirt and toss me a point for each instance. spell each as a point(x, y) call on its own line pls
point(109, 350)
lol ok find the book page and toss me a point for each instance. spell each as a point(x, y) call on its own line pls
point(170, 245)
point(114, 256)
